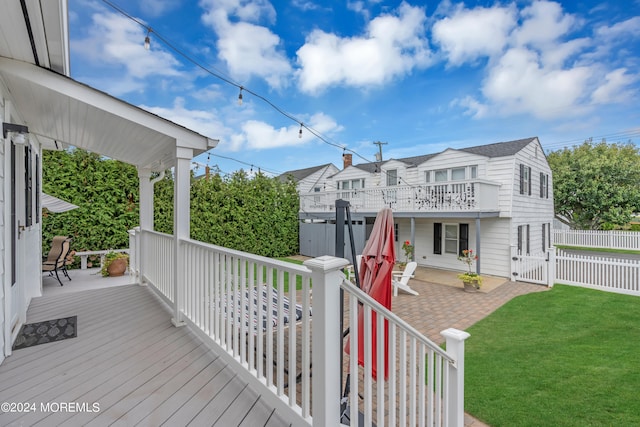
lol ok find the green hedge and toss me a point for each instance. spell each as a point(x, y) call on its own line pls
point(255, 214)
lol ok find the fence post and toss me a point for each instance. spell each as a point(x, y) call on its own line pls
point(513, 261)
point(455, 348)
point(551, 268)
point(326, 350)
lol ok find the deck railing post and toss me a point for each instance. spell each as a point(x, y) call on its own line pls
point(134, 247)
point(455, 348)
point(327, 339)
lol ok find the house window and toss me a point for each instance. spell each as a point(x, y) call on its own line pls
point(474, 171)
point(441, 175)
point(456, 238)
point(523, 239)
point(525, 179)
point(353, 184)
point(457, 174)
point(544, 185)
point(427, 177)
point(392, 177)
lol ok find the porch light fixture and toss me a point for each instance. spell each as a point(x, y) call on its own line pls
point(18, 132)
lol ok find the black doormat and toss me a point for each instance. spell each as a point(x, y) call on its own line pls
point(44, 332)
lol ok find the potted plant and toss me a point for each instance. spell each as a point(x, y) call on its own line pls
point(115, 264)
point(471, 280)
point(408, 252)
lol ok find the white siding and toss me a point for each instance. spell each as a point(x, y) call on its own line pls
point(317, 178)
point(500, 169)
point(350, 173)
point(494, 251)
point(531, 209)
point(2, 233)
point(2, 251)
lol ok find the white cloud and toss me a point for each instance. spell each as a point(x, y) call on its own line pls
point(248, 49)
point(518, 84)
point(621, 30)
point(115, 40)
point(615, 87)
point(207, 123)
point(536, 65)
point(393, 46)
point(259, 135)
point(472, 33)
point(543, 23)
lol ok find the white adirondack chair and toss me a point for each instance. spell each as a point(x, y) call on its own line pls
point(400, 279)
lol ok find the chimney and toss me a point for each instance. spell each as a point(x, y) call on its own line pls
point(346, 160)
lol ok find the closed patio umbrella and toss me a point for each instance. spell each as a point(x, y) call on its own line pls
point(378, 259)
point(54, 204)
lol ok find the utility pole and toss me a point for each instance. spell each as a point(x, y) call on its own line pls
point(379, 144)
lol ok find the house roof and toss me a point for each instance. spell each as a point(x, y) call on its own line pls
point(300, 174)
point(498, 149)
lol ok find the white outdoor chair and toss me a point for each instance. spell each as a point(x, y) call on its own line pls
point(400, 279)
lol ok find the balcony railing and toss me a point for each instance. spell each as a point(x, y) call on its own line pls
point(425, 384)
point(476, 195)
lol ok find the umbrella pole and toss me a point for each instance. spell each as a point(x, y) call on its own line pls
point(342, 206)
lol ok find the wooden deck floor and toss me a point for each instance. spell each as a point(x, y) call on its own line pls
point(128, 361)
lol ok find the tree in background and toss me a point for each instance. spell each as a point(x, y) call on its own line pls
point(596, 185)
point(255, 214)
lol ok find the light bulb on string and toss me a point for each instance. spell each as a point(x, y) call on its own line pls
point(300, 132)
point(240, 96)
point(147, 40)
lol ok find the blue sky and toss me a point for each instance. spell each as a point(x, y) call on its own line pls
point(420, 76)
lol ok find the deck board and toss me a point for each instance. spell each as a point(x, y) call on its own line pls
point(132, 361)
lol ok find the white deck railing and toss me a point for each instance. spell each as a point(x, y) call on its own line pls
point(614, 239)
point(476, 195)
point(425, 384)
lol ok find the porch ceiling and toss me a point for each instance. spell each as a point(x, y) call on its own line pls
point(58, 108)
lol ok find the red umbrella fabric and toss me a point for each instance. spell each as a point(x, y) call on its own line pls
point(378, 259)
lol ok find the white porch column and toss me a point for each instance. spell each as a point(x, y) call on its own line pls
point(181, 223)
point(413, 238)
point(327, 339)
point(455, 348)
point(478, 250)
point(146, 199)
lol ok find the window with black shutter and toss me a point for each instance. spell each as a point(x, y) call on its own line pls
point(437, 238)
point(464, 238)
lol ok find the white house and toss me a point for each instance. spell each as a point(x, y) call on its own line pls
point(487, 198)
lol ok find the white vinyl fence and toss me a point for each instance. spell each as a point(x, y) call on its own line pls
point(607, 274)
point(589, 271)
point(613, 239)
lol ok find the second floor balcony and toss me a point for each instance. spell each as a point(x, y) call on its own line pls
point(464, 196)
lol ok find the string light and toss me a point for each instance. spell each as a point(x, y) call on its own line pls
point(240, 96)
point(147, 40)
point(300, 132)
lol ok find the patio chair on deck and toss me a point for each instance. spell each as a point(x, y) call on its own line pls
point(55, 260)
point(400, 279)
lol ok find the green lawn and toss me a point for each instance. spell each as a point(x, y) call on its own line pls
point(613, 251)
point(566, 357)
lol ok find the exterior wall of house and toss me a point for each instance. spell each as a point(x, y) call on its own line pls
point(532, 210)
point(452, 159)
point(3, 207)
point(500, 170)
point(317, 178)
point(495, 245)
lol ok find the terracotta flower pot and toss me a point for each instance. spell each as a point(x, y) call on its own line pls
point(117, 267)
